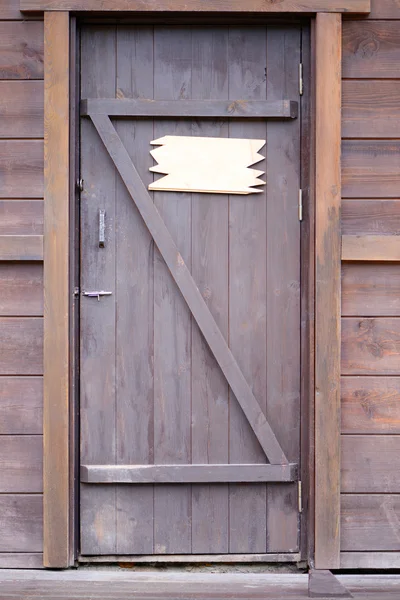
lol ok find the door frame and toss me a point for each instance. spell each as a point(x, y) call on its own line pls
point(323, 445)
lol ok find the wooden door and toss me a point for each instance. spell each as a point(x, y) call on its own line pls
point(190, 365)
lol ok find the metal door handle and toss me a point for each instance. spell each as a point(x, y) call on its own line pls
point(96, 294)
point(102, 228)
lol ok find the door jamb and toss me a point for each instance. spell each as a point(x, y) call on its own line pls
point(58, 482)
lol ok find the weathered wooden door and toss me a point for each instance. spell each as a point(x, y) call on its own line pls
point(190, 363)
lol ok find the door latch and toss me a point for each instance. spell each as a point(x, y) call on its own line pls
point(96, 294)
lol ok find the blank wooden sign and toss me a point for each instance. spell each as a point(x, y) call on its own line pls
point(206, 164)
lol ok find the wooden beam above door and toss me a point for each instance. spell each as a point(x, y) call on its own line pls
point(211, 6)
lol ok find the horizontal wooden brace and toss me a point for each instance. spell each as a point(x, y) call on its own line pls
point(212, 6)
point(218, 473)
point(21, 247)
point(371, 248)
point(227, 109)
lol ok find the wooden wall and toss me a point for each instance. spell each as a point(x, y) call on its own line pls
point(371, 291)
point(21, 294)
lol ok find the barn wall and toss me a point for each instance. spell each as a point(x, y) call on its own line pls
point(21, 295)
point(371, 291)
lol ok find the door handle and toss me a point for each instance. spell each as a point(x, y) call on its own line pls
point(96, 294)
point(102, 228)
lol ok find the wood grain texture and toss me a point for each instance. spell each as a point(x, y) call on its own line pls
point(21, 247)
point(284, 109)
point(370, 464)
point(327, 373)
point(207, 473)
point(10, 10)
point(21, 289)
point(371, 49)
point(255, 6)
point(370, 290)
point(21, 169)
point(21, 523)
point(370, 522)
point(56, 292)
point(370, 346)
point(370, 405)
point(371, 109)
point(370, 560)
point(21, 405)
point(370, 169)
point(20, 464)
point(21, 346)
point(21, 109)
point(21, 50)
point(371, 248)
point(21, 217)
point(21, 560)
point(370, 217)
point(385, 9)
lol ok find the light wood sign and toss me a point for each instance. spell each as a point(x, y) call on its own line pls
point(206, 164)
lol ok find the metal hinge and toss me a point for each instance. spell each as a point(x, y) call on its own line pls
point(300, 205)
point(79, 185)
point(300, 500)
point(301, 82)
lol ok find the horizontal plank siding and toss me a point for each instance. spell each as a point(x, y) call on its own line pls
point(371, 248)
point(370, 522)
point(21, 50)
point(21, 346)
point(371, 168)
point(21, 109)
point(371, 289)
point(21, 217)
point(371, 109)
point(21, 287)
point(370, 346)
point(21, 247)
point(21, 523)
point(21, 560)
point(385, 9)
point(371, 49)
point(21, 405)
point(9, 9)
point(370, 464)
point(370, 405)
point(370, 217)
point(21, 468)
point(21, 169)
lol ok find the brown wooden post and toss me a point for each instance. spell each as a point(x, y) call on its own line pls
point(56, 290)
point(327, 334)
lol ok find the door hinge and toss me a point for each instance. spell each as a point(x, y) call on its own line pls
point(76, 292)
point(301, 81)
point(300, 205)
point(300, 499)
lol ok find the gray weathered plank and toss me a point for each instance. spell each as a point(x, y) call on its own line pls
point(21, 109)
point(134, 289)
point(196, 473)
point(172, 318)
point(370, 289)
point(21, 169)
point(210, 233)
point(21, 217)
point(370, 405)
point(283, 283)
point(370, 346)
point(97, 376)
point(21, 50)
point(369, 522)
point(21, 247)
point(21, 289)
point(206, 108)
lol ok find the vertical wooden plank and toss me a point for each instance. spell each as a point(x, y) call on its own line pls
point(56, 291)
point(98, 435)
point(247, 295)
point(210, 271)
point(172, 318)
point(134, 289)
point(327, 358)
point(283, 283)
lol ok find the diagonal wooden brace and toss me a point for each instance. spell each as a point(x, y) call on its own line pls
point(189, 289)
